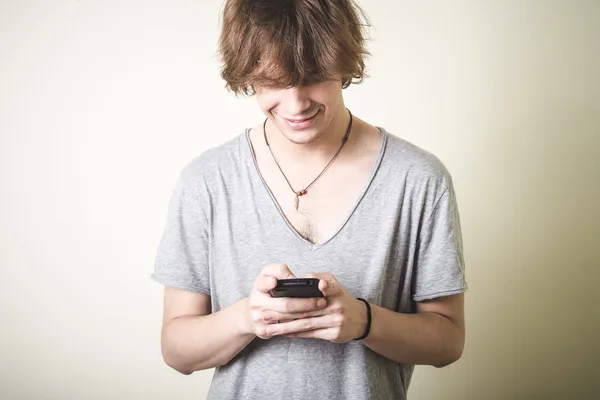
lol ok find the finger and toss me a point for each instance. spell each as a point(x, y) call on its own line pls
point(324, 334)
point(328, 284)
point(264, 283)
point(327, 287)
point(278, 271)
point(300, 325)
point(285, 317)
point(290, 305)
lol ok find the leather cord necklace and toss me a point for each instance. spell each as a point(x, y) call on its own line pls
point(302, 192)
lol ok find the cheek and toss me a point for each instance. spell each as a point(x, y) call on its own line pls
point(326, 99)
point(267, 103)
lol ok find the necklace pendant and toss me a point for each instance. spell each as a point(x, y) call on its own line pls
point(296, 202)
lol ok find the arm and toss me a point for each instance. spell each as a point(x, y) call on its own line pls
point(193, 339)
point(435, 335)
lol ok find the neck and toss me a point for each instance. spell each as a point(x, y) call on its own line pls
point(319, 150)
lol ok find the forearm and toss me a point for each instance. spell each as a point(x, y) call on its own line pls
point(194, 343)
point(415, 339)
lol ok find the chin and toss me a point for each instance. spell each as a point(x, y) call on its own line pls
point(300, 137)
point(304, 136)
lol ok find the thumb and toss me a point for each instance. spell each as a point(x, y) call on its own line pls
point(328, 285)
point(264, 283)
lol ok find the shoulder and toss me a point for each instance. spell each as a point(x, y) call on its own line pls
point(416, 164)
point(214, 162)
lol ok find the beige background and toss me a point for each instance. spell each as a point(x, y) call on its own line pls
point(103, 102)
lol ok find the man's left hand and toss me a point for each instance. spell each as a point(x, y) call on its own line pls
point(344, 318)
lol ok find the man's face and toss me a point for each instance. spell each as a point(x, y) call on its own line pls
point(302, 113)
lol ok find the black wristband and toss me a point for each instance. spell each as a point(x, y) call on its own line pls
point(368, 328)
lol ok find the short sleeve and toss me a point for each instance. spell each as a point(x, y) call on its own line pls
point(182, 256)
point(440, 269)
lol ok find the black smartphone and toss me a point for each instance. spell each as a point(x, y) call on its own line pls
point(297, 287)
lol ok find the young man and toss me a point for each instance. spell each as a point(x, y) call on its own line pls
point(311, 191)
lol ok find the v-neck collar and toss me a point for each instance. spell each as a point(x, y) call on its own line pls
point(308, 243)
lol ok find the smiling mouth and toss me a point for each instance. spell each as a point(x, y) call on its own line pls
point(301, 119)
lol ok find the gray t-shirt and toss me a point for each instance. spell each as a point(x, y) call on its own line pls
point(401, 243)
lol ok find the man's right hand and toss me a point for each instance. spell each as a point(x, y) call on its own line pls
point(262, 309)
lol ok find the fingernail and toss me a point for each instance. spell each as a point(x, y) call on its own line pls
point(321, 303)
point(271, 330)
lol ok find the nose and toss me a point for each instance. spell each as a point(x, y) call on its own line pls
point(296, 101)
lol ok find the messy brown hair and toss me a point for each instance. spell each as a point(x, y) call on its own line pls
point(286, 43)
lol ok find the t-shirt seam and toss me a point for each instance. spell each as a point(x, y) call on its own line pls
point(460, 289)
point(174, 283)
point(194, 194)
point(433, 210)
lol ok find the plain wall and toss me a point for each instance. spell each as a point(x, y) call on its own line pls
point(103, 102)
